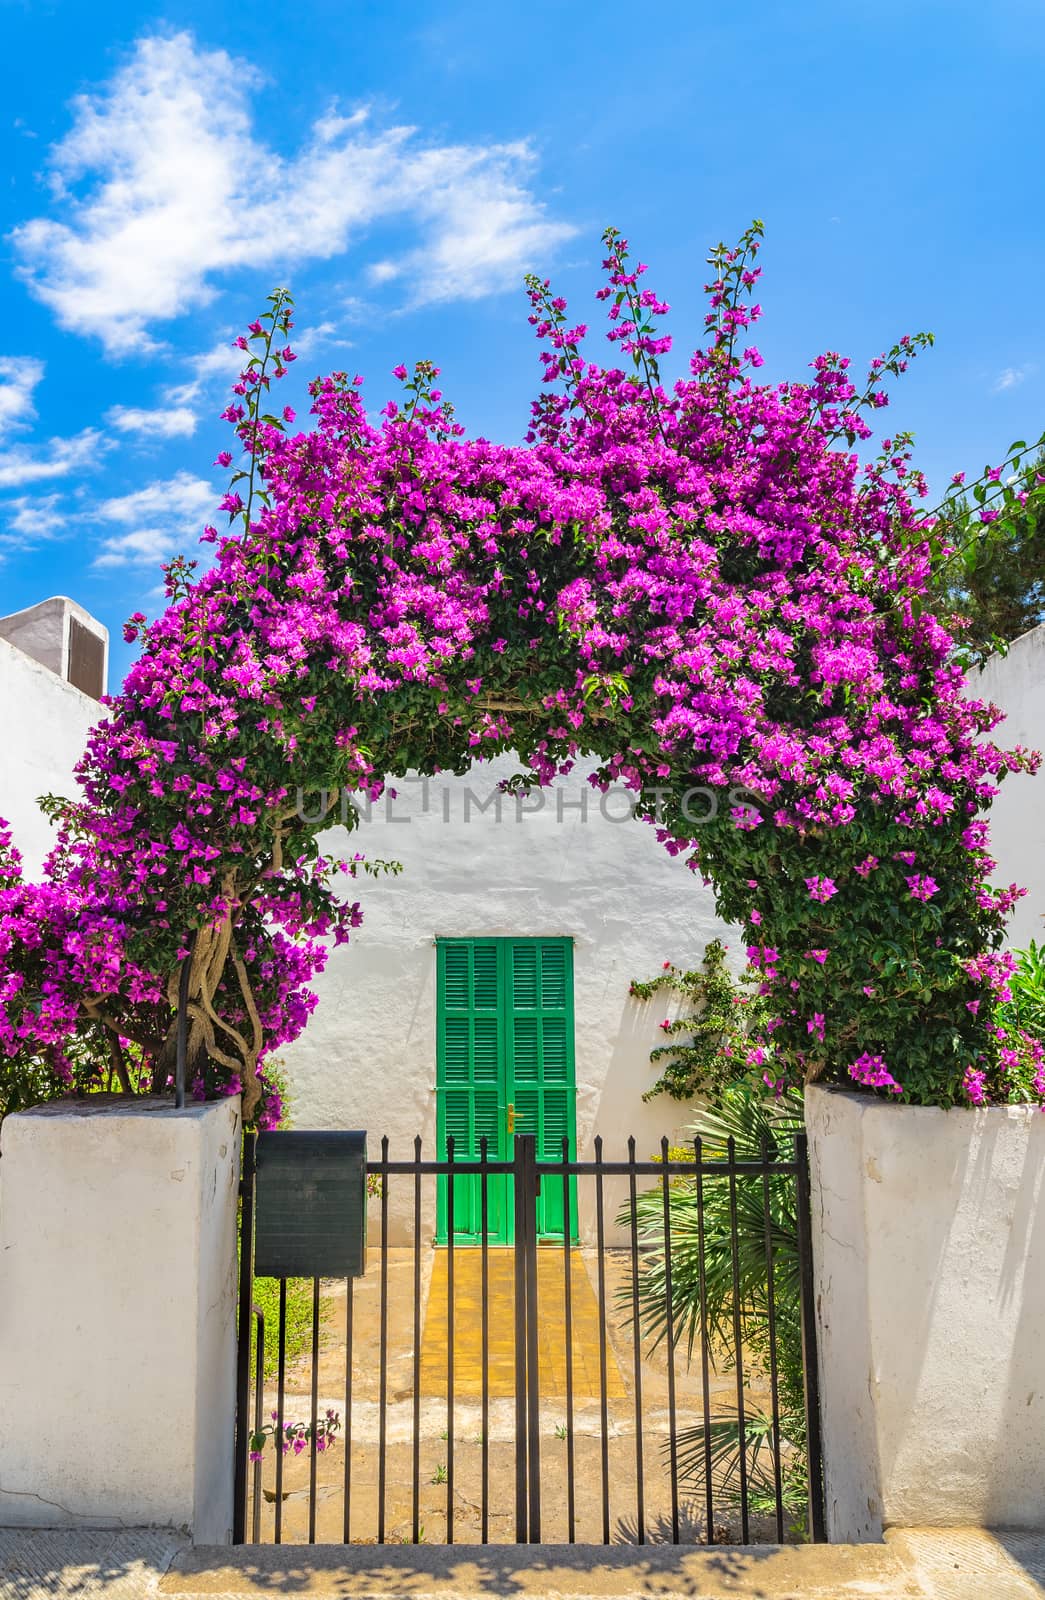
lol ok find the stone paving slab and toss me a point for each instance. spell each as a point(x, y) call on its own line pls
point(586, 1344)
point(913, 1564)
point(77, 1564)
point(969, 1564)
point(546, 1572)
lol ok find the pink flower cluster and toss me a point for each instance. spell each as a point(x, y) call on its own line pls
point(872, 1073)
point(694, 585)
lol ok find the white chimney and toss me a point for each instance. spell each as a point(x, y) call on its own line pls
point(65, 638)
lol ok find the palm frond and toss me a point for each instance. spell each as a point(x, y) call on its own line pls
point(720, 1276)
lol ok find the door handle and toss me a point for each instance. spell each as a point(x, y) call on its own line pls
point(514, 1117)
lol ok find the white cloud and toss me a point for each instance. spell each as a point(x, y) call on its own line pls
point(384, 271)
point(1011, 378)
point(221, 365)
point(482, 228)
point(222, 361)
point(19, 377)
point(157, 522)
point(307, 341)
point(27, 522)
point(174, 422)
point(24, 463)
point(162, 184)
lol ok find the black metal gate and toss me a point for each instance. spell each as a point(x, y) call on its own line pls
point(618, 1328)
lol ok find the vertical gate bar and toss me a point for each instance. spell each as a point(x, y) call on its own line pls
point(774, 1387)
point(349, 1318)
point(518, 1262)
point(382, 1388)
point(533, 1390)
point(246, 1293)
point(636, 1334)
point(484, 1425)
point(705, 1375)
point(567, 1230)
point(669, 1328)
point(600, 1253)
point(810, 1365)
point(450, 1181)
point(313, 1453)
point(281, 1387)
point(259, 1421)
point(181, 1041)
point(415, 1465)
point(738, 1343)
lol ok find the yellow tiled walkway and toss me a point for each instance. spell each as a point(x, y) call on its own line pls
point(551, 1305)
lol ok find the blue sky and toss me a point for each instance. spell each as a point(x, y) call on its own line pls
point(402, 166)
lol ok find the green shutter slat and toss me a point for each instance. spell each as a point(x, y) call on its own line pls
point(553, 977)
point(526, 1034)
point(555, 1122)
point(524, 977)
point(457, 1118)
point(528, 1112)
point(457, 1049)
point(486, 1049)
point(485, 995)
point(487, 1119)
point(456, 977)
point(555, 1052)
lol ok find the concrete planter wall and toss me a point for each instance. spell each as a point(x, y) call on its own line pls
point(117, 1315)
point(929, 1257)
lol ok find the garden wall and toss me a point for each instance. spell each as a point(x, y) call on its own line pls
point(929, 1257)
point(117, 1315)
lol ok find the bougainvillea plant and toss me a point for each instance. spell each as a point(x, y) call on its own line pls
point(709, 1044)
point(700, 586)
point(294, 1437)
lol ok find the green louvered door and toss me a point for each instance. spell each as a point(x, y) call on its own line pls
point(504, 1054)
point(471, 1081)
point(541, 1078)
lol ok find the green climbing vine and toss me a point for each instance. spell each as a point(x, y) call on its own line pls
point(709, 1044)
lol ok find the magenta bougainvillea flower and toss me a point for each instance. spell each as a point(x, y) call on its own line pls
point(701, 587)
point(872, 1073)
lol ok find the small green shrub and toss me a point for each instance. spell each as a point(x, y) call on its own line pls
point(709, 1044)
point(1027, 984)
point(755, 1120)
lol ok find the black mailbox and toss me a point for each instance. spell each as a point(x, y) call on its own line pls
point(310, 1205)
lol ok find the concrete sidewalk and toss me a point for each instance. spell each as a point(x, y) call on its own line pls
point(950, 1564)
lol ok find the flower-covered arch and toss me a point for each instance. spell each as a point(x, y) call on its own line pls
point(700, 588)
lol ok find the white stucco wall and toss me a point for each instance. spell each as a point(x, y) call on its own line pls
point(367, 1057)
point(1016, 683)
point(44, 723)
point(929, 1258)
point(117, 1315)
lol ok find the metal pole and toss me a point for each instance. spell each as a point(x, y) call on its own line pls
point(246, 1291)
point(522, 1518)
point(810, 1367)
point(531, 1185)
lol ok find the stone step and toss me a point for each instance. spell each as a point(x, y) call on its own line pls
point(963, 1564)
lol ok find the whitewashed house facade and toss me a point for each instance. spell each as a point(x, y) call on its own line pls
point(487, 991)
